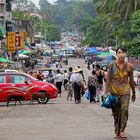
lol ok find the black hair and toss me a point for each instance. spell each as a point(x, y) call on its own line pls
point(65, 71)
point(70, 69)
point(98, 66)
point(93, 72)
point(58, 71)
point(81, 72)
point(122, 49)
point(31, 72)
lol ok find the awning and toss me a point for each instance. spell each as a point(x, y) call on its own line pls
point(3, 60)
point(22, 56)
point(2, 32)
point(26, 52)
point(103, 54)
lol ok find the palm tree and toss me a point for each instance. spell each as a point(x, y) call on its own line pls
point(118, 8)
point(127, 8)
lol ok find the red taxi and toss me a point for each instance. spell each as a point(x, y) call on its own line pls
point(24, 85)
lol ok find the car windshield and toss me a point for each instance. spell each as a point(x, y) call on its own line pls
point(31, 77)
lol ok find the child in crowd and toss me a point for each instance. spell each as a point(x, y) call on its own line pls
point(69, 89)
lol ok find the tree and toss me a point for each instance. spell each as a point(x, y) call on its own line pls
point(22, 9)
point(134, 44)
point(127, 8)
point(118, 22)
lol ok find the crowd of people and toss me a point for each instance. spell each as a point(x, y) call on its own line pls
point(119, 83)
point(117, 80)
point(74, 82)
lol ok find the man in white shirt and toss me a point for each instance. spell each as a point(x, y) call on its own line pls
point(58, 80)
point(77, 80)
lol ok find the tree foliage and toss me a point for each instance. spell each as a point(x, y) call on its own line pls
point(46, 26)
point(121, 21)
point(103, 22)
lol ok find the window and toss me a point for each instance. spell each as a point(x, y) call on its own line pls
point(1, 8)
point(19, 79)
point(8, 5)
point(2, 79)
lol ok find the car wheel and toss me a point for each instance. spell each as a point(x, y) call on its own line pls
point(43, 100)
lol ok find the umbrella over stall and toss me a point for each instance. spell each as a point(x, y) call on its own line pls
point(103, 54)
point(92, 50)
point(3, 60)
point(23, 56)
point(26, 52)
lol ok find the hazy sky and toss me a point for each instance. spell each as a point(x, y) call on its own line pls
point(37, 1)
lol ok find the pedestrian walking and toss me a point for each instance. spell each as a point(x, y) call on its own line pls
point(84, 85)
point(69, 89)
point(92, 86)
point(50, 77)
point(70, 72)
point(139, 82)
point(40, 76)
point(88, 65)
point(58, 80)
point(120, 83)
point(77, 80)
point(100, 76)
point(65, 77)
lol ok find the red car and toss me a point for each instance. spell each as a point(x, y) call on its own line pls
point(24, 85)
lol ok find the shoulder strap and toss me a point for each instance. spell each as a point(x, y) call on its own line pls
point(112, 71)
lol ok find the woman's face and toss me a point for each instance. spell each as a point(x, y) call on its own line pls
point(121, 55)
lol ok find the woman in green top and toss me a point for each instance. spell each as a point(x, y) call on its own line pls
point(121, 84)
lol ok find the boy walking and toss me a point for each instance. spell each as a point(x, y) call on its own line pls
point(69, 89)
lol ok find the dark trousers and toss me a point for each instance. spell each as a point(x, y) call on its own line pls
point(77, 92)
point(65, 82)
point(92, 90)
point(120, 113)
point(59, 85)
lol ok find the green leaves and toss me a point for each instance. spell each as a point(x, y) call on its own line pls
point(135, 22)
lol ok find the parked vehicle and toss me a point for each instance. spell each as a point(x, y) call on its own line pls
point(40, 65)
point(24, 85)
point(55, 57)
point(8, 70)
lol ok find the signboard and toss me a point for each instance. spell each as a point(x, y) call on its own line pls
point(17, 40)
point(11, 41)
point(24, 35)
point(22, 41)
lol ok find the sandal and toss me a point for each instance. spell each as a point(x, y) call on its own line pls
point(123, 135)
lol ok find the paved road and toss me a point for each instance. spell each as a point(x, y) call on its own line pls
point(63, 120)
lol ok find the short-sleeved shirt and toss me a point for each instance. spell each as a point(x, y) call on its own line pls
point(59, 77)
point(92, 80)
point(120, 84)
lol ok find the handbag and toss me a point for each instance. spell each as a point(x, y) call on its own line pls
point(87, 94)
point(111, 101)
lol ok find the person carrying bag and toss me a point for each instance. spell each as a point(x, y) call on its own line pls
point(120, 86)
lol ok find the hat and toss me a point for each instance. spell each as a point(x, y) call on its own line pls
point(76, 69)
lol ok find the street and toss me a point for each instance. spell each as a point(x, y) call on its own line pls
point(60, 119)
